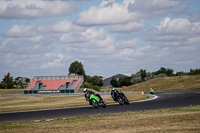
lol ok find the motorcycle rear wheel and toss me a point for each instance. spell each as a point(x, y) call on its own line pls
point(125, 100)
point(104, 104)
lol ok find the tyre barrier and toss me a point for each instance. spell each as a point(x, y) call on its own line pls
point(141, 92)
point(47, 91)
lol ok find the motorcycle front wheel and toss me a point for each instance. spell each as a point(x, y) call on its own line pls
point(120, 100)
point(94, 103)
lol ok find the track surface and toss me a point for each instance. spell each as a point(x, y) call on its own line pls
point(164, 100)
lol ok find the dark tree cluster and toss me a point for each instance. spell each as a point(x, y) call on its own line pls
point(8, 82)
point(126, 81)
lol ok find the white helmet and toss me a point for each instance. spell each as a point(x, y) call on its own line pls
point(85, 90)
point(113, 89)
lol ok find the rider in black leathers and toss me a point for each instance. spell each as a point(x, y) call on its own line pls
point(114, 93)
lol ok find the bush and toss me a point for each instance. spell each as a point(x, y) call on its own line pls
point(95, 80)
point(90, 86)
point(87, 85)
point(21, 82)
point(96, 88)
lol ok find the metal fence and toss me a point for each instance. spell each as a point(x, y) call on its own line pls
point(57, 77)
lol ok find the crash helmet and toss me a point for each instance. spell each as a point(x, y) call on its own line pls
point(113, 89)
point(85, 90)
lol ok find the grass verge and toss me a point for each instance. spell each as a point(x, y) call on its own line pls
point(11, 91)
point(179, 120)
point(167, 83)
point(13, 104)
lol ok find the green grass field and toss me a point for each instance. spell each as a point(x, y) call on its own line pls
point(178, 120)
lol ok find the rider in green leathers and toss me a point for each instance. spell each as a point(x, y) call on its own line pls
point(87, 94)
point(151, 91)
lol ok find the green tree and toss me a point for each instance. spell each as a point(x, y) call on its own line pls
point(87, 85)
point(90, 86)
point(7, 82)
point(194, 72)
point(77, 68)
point(168, 72)
point(95, 80)
point(114, 82)
point(181, 73)
point(21, 82)
point(143, 74)
point(126, 81)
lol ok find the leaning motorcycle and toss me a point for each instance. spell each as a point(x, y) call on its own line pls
point(96, 102)
point(121, 98)
point(151, 92)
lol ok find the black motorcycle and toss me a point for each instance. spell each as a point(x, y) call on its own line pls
point(121, 98)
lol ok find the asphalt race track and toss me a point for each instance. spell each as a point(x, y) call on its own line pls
point(163, 100)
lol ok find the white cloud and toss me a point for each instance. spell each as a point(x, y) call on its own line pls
point(38, 47)
point(36, 39)
point(34, 8)
point(154, 7)
point(92, 33)
point(130, 43)
point(126, 53)
point(129, 27)
point(93, 48)
point(194, 40)
point(24, 46)
point(65, 26)
point(54, 60)
point(110, 12)
point(164, 22)
point(128, 2)
point(180, 26)
point(20, 31)
point(175, 32)
point(107, 14)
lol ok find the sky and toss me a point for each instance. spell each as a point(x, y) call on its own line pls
point(43, 37)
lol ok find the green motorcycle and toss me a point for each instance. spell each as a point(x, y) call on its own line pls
point(96, 102)
point(151, 92)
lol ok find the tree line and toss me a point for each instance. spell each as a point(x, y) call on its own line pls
point(8, 82)
point(96, 82)
point(142, 76)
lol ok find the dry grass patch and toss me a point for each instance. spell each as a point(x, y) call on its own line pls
point(12, 104)
point(179, 120)
point(11, 91)
point(167, 83)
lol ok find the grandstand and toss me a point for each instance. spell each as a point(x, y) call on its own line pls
point(54, 84)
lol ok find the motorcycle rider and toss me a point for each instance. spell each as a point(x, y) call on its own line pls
point(151, 91)
point(114, 94)
point(87, 94)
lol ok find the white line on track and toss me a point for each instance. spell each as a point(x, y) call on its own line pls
point(152, 97)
